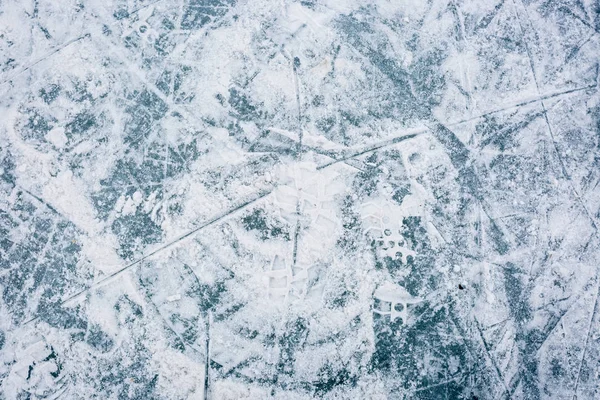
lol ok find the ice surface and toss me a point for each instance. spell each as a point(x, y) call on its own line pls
point(228, 199)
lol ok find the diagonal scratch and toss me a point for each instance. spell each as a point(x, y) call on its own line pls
point(489, 356)
point(47, 205)
point(577, 49)
point(519, 104)
point(566, 10)
point(46, 56)
point(296, 233)
point(170, 244)
point(587, 339)
point(561, 315)
point(334, 154)
point(180, 238)
point(207, 360)
point(368, 150)
point(485, 21)
point(295, 64)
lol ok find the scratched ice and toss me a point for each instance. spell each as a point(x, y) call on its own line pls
point(298, 199)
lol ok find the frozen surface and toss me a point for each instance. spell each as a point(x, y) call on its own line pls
point(234, 199)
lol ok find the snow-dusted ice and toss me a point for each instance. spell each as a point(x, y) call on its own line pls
point(339, 199)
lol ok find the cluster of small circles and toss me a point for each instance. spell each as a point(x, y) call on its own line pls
point(390, 244)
